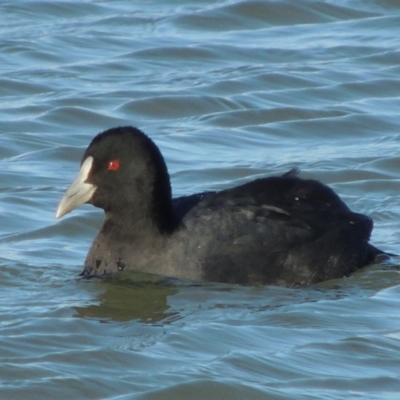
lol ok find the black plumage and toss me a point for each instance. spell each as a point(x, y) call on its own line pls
point(280, 230)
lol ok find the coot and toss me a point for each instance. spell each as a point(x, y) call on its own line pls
point(280, 230)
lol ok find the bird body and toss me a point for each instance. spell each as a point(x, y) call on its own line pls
point(280, 230)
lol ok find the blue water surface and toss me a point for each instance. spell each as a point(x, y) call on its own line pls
point(230, 90)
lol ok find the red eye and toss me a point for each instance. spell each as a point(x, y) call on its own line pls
point(113, 165)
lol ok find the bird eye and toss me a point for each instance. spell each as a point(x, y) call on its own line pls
point(113, 165)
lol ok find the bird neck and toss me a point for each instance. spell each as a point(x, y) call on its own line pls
point(139, 218)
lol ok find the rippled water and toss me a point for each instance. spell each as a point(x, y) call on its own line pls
point(230, 90)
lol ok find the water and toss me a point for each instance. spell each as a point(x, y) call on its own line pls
point(230, 91)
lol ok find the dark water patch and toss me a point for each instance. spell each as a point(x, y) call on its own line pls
point(243, 15)
point(177, 106)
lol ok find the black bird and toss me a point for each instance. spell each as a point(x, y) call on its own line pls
point(281, 230)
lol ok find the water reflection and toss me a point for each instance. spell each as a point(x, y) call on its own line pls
point(128, 297)
point(151, 299)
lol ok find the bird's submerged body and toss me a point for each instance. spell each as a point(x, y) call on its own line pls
point(278, 230)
